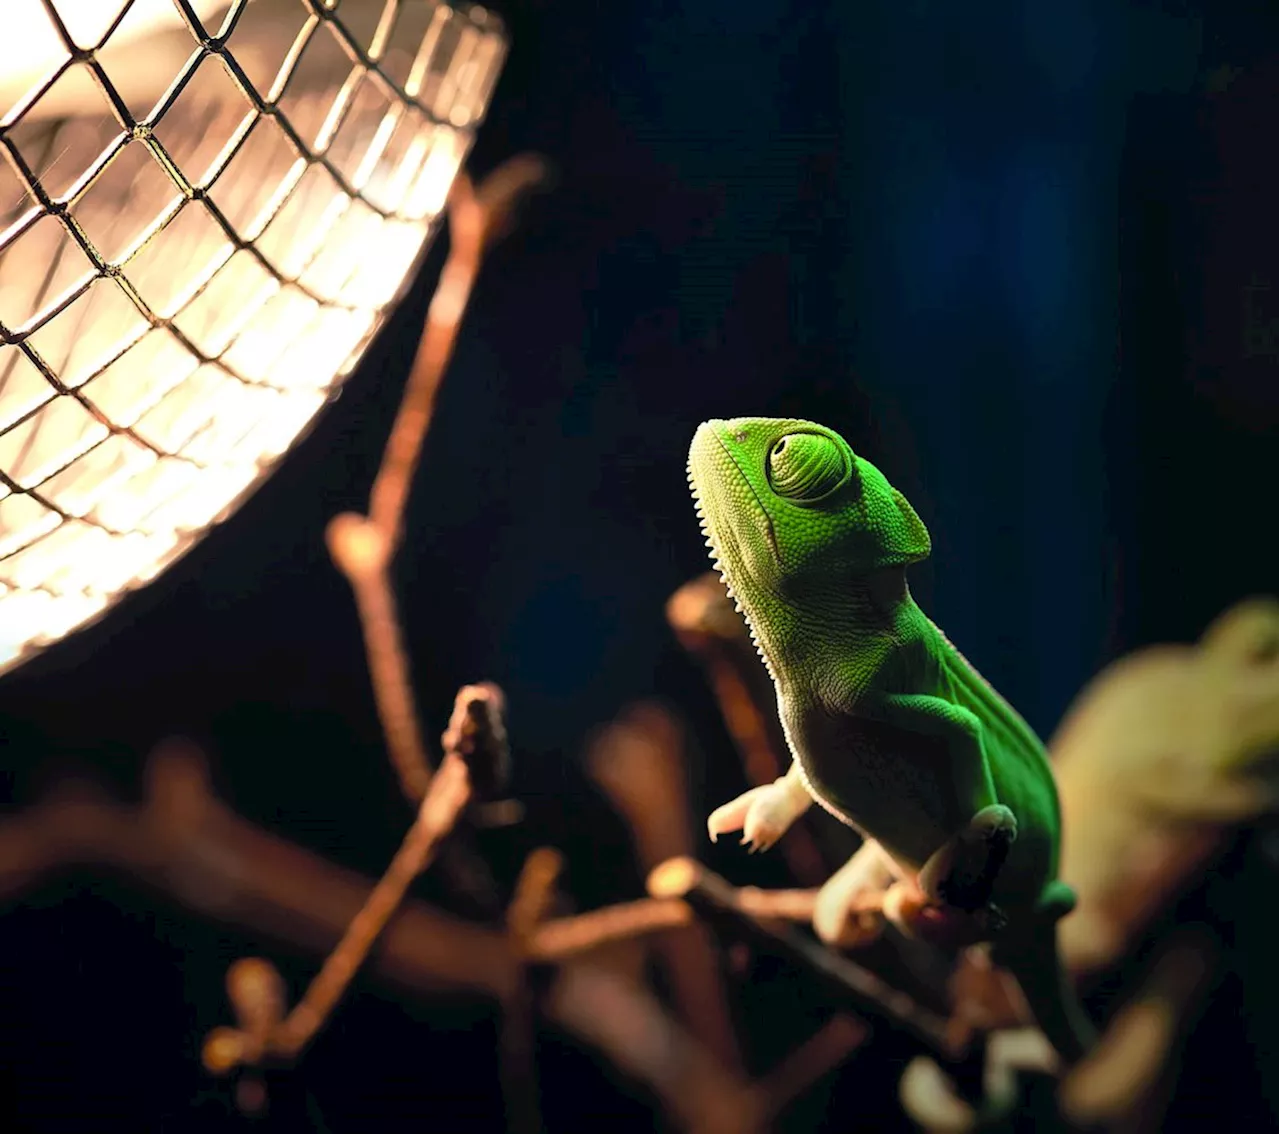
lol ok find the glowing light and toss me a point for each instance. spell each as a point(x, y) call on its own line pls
point(202, 224)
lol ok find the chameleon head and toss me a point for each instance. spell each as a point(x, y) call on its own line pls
point(788, 507)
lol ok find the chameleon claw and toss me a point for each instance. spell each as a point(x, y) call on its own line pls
point(762, 814)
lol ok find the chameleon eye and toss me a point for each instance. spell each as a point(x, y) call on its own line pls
point(805, 467)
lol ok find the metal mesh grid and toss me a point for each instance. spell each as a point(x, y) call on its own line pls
point(183, 282)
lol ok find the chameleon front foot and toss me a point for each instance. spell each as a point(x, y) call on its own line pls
point(762, 814)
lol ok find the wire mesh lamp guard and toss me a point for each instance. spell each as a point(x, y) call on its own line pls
point(206, 209)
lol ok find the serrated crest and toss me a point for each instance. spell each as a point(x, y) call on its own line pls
point(718, 566)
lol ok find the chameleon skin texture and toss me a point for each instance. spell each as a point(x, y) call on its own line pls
point(892, 730)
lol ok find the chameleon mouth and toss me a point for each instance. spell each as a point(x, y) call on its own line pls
point(705, 524)
point(714, 541)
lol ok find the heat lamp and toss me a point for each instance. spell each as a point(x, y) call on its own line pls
point(207, 209)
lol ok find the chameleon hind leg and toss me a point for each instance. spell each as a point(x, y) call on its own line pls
point(950, 900)
point(869, 871)
point(963, 871)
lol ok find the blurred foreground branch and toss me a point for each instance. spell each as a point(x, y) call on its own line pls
point(639, 761)
point(181, 841)
point(1123, 1086)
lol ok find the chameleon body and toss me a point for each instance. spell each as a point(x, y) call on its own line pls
point(889, 727)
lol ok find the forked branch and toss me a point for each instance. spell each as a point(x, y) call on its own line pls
point(476, 738)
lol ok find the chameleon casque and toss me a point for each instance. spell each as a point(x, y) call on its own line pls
point(890, 729)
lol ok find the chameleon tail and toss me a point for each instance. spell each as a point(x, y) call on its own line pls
point(1033, 958)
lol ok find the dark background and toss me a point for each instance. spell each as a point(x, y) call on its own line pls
point(1023, 255)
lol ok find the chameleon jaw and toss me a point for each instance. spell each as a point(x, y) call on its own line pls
point(718, 565)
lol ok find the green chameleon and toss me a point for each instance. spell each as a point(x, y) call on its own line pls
point(891, 730)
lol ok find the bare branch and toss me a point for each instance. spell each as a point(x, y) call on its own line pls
point(362, 547)
point(360, 552)
point(704, 1096)
point(638, 760)
point(476, 738)
point(534, 893)
point(716, 901)
point(443, 803)
point(816, 1057)
point(184, 843)
point(561, 938)
point(476, 216)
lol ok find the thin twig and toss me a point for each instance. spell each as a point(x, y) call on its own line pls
point(439, 812)
point(534, 893)
point(565, 937)
point(476, 217)
point(705, 622)
point(815, 1058)
point(257, 995)
point(518, 1067)
point(475, 745)
point(561, 938)
point(704, 1096)
point(362, 547)
point(384, 647)
point(445, 799)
